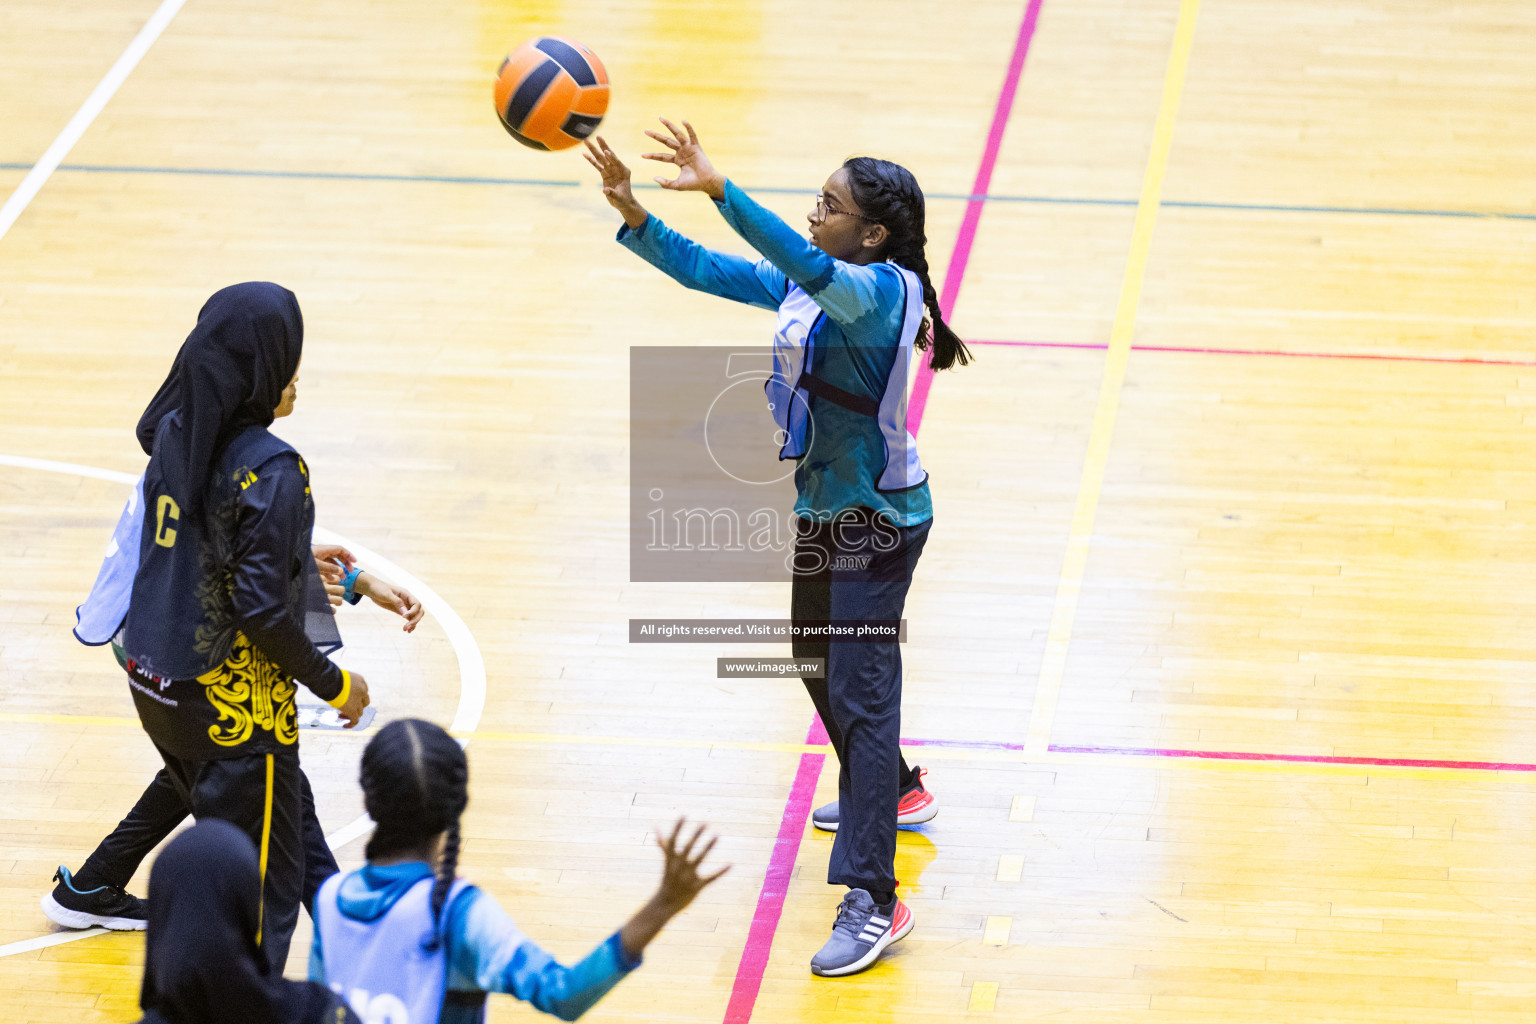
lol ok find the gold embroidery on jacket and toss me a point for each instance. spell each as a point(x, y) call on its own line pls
point(250, 692)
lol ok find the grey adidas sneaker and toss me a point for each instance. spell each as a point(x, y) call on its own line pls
point(915, 806)
point(860, 934)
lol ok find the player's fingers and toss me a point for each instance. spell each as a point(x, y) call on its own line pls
point(669, 143)
point(331, 552)
point(705, 880)
point(664, 183)
point(693, 136)
point(676, 132)
point(594, 163)
point(704, 852)
point(688, 850)
point(677, 831)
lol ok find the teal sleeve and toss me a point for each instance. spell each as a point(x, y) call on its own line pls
point(692, 265)
point(316, 958)
point(490, 954)
point(847, 292)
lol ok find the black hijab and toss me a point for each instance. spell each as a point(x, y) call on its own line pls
point(201, 961)
point(229, 374)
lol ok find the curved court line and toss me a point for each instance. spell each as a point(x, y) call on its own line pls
point(1074, 565)
point(104, 91)
point(472, 685)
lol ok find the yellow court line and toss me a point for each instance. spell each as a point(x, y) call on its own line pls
point(482, 736)
point(16, 716)
point(1069, 585)
point(929, 753)
point(983, 997)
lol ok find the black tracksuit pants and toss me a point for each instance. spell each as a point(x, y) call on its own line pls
point(160, 809)
point(857, 569)
point(260, 795)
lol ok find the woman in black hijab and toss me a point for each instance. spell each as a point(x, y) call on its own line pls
point(201, 961)
point(215, 635)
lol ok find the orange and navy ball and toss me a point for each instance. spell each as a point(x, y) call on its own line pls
point(551, 93)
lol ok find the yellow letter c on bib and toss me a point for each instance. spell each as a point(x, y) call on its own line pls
point(166, 510)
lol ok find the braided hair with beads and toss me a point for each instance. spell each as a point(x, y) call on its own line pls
point(889, 195)
point(415, 781)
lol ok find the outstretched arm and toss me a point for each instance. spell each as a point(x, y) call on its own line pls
point(846, 291)
point(682, 259)
point(490, 954)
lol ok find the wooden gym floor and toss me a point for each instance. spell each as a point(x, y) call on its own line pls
point(1222, 649)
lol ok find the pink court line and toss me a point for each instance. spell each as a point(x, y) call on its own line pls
point(975, 204)
point(1379, 357)
point(781, 864)
point(1237, 755)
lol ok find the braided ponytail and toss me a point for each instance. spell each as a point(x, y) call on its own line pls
point(889, 195)
point(447, 868)
point(415, 781)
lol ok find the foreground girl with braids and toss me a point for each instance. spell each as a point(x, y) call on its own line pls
point(405, 940)
point(853, 303)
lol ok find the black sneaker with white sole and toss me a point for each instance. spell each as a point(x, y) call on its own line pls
point(860, 934)
point(105, 906)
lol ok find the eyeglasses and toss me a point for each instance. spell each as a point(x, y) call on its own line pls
point(825, 209)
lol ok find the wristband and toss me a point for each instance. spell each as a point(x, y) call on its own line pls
point(349, 593)
point(340, 700)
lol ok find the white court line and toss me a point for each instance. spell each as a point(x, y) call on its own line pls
point(104, 91)
point(471, 663)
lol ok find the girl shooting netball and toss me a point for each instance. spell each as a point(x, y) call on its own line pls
point(853, 303)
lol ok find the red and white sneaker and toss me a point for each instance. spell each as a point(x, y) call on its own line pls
point(915, 806)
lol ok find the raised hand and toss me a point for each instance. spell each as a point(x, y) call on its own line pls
point(680, 883)
point(616, 183)
point(694, 171)
point(615, 174)
point(680, 877)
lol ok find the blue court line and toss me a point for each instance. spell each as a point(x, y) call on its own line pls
point(448, 179)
